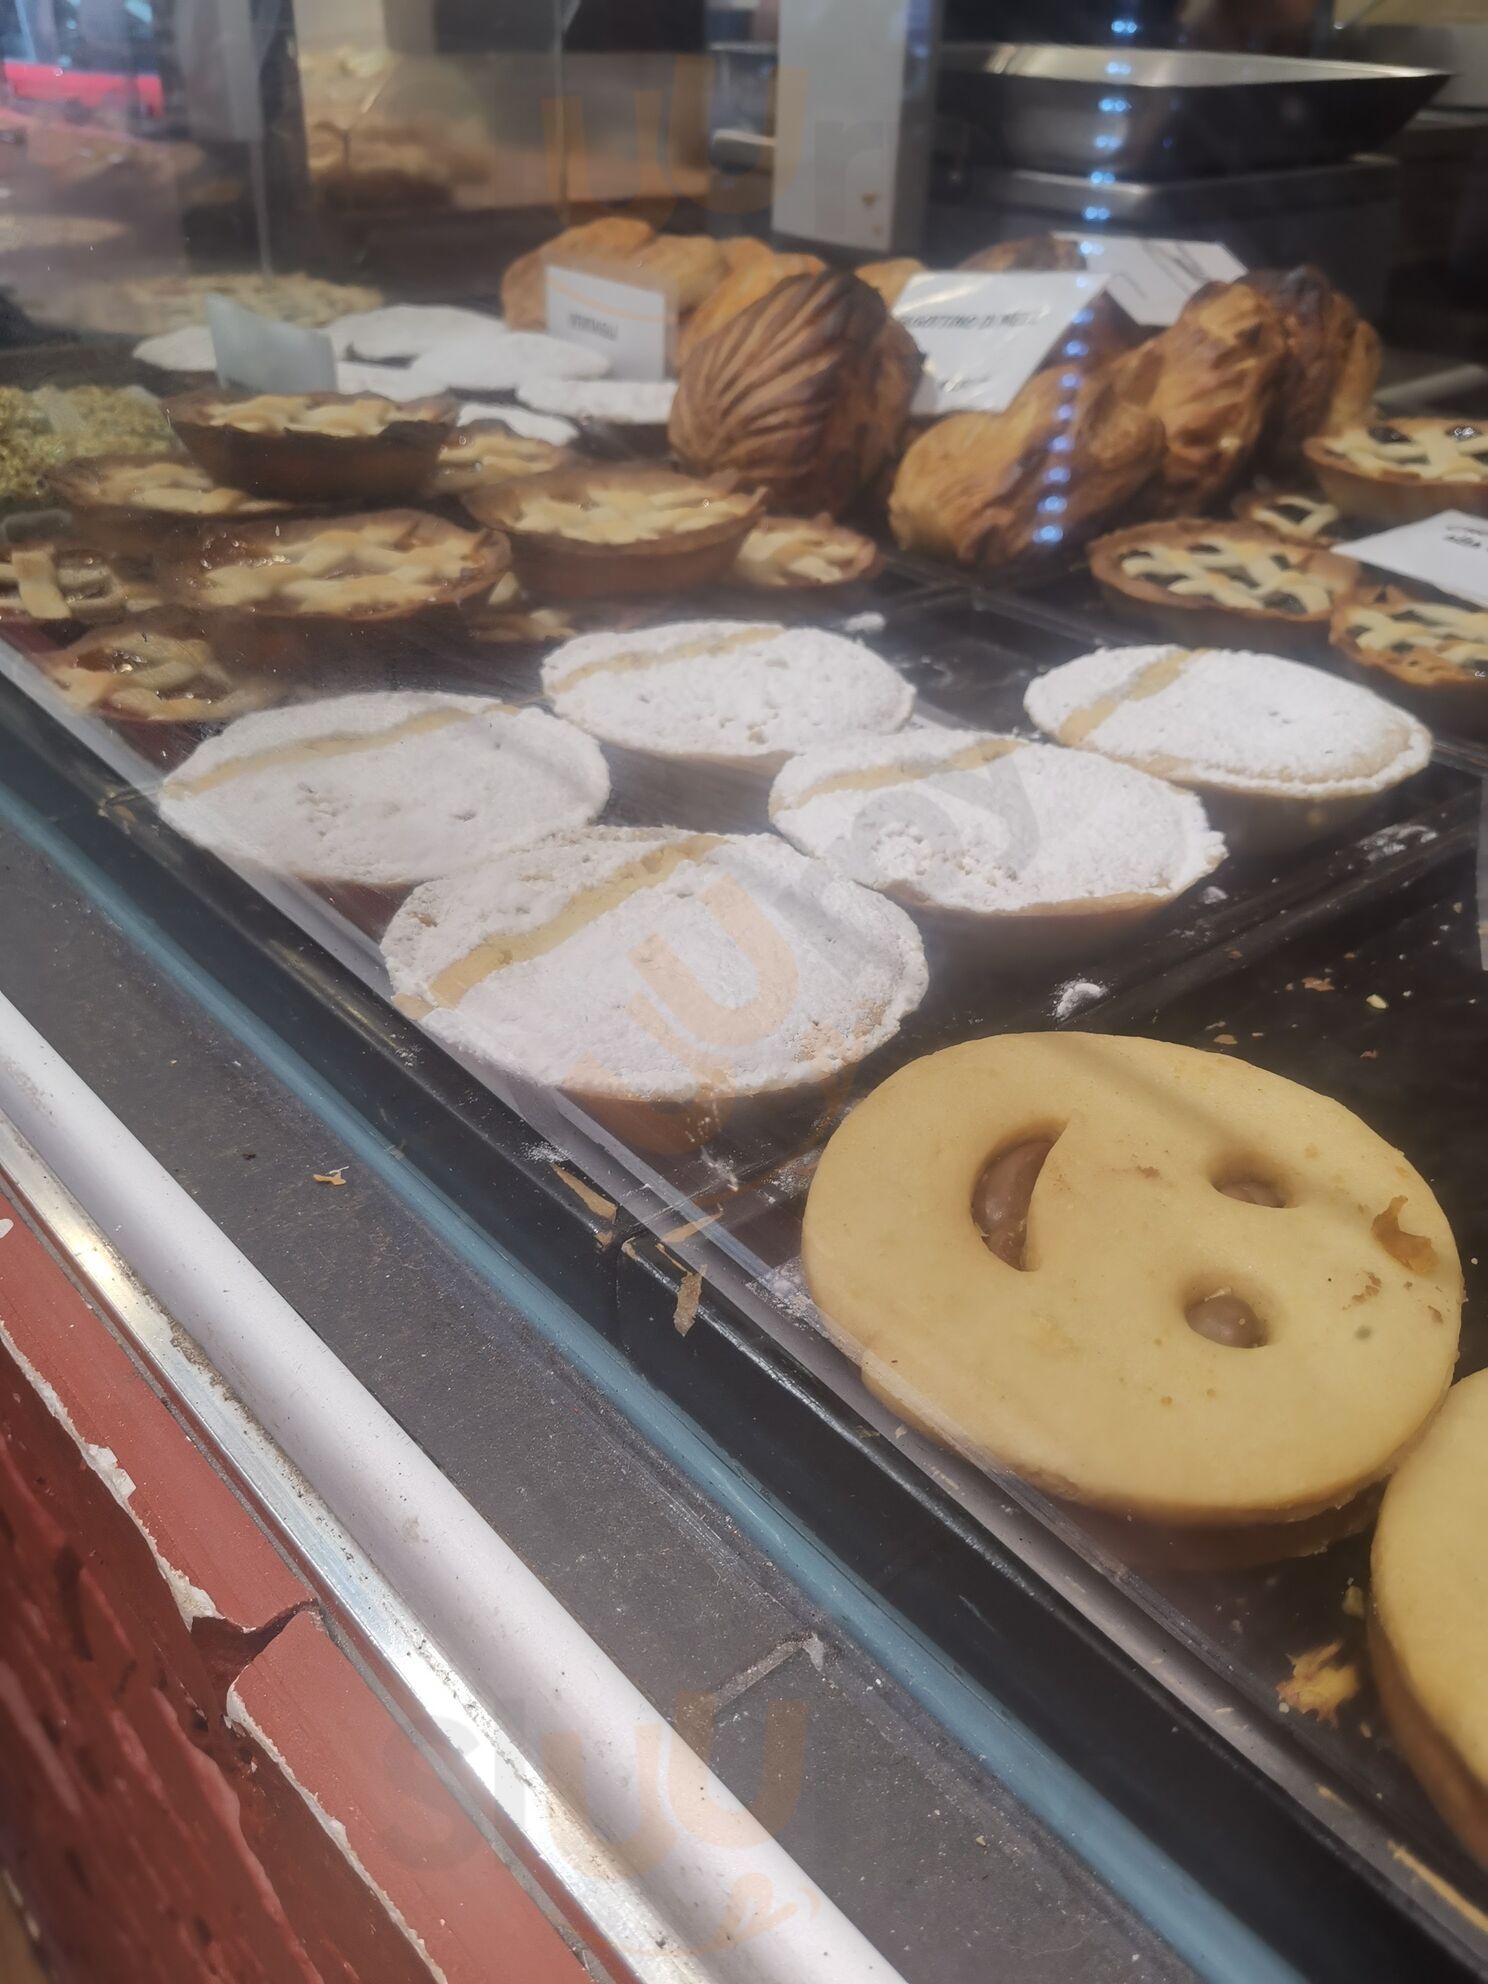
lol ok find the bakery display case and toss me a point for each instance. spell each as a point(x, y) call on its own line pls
point(844, 690)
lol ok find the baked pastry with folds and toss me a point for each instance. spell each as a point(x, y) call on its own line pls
point(692, 263)
point(753, 277)
point(1321, 328)
point(613, 237)
point(1211, 379)
point(889, 278)
point(971, 488)
point(1030, 252)
point(804, 396)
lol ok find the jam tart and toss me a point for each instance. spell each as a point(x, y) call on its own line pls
point(123, 503)
point(1398, 471)
point(55, 583)
point(1431, 653)
point(387, 565)
point(786, 552)
point(157, 669)
point(1222, 582)
point(314, 447)
point(1294, 514)
point(484, 452)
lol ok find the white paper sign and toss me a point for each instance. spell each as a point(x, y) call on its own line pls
point(1152, 280)
point(629, 322)
point(260, 355)
point(984, 336)
point(1449, 552)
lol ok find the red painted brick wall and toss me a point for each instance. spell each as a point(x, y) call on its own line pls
point(152, 1837)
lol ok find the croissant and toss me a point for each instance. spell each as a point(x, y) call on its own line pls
point(1320, 326)
point(1211, 379)
point(751, 278)
point(988, 489)
point(524, 301)
point(804, 395)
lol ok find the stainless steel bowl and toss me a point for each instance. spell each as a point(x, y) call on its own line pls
point(1145, 113)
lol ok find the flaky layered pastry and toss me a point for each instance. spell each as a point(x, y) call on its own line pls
point(1331, 361)
point(1211, 379)
point(750, 278)
point(889, 278)
point(989, 488)
point(1029, 252)
point(524, 286)
point(804, 396)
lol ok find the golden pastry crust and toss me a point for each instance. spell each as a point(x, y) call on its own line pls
point(753, 278)
point(693, 264)
point(889, 278)
point(804, 554)
point(1210, 378)
point(524, 301)
point(805, 395)
point(1292, 513)
point(1033, 252)
point(1318, 323)
point(738, 249)
point(1356, 380)
point(1223, 583)
point(159, 668)
point(1432, 653)
point(1084, 1368)
point(971, 486)
point(1397, 471)
point(1429, 1611)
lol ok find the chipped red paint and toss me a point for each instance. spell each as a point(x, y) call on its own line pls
point(150, 1837)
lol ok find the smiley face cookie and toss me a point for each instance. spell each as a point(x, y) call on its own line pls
point(1154, 1281)
point(1428, 1628)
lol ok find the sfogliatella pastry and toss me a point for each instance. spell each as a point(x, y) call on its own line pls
point(1223, 582)
point(1025, 847)
point(889, 278)
point(1153, 1281)
point(1396, 471)
point(1331, 362)
point(1277, 751)
point(384, 789)
point(749, 278)
point(1295, 514)
point(991, 489)
point(1428, 1611)
point(1430, 654)
point(1211, 379)
point(805, 395)
point(524, 297)
point(645, 970)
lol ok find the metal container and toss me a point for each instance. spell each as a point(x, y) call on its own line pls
point(1158, 113)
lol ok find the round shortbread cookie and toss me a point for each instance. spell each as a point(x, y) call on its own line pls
point(1182, 1192)
point(384, 789)
point(1429, 1599)
point(653, 965)
point(991, 826)
point(733, 692)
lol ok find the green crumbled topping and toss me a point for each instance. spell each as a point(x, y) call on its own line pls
point(55, 424)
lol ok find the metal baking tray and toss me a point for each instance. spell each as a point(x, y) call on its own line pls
point(1168, 113)
point(1384, 908)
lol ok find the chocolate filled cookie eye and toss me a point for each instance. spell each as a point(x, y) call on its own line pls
point(1000, 1198)
point(1225, 1319)
point(1252, 1190)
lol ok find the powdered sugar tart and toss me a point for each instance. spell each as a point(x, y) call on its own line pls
point(1222, 582)
point(1035, 842)
point(724, 692)
point(1278, 751)
point(1397, 471)
point(1429, 653)
point(387, 565)
point(384, 789)
point(314, 447)
point(653, 966)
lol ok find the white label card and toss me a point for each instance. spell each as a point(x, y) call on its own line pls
point(1152, 280)
point(1449, 552)
point(983, 337)
point(261, 355)
point(631, 323)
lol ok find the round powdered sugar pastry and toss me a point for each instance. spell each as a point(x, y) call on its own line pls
point(622, 402)
point(384, 789)
point(991, 826)
point(744, 693)
point(189, 349)
point(389, 382)
point(497, 361)
point(651, 965)
point(406, 330)
point(536, 426)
